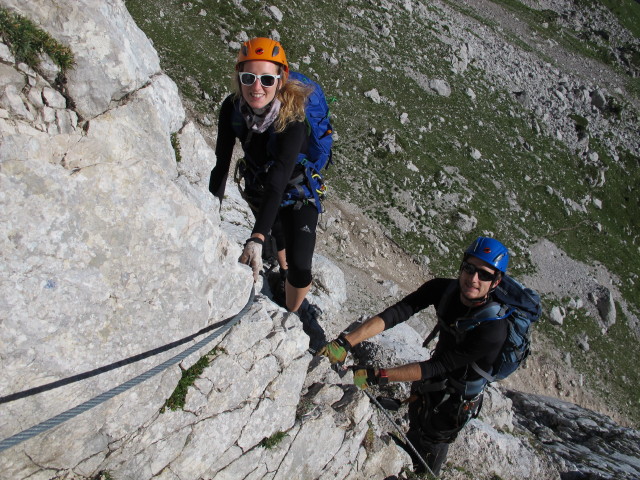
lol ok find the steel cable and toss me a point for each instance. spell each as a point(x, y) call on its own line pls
point(89, 404)
point(404, 437)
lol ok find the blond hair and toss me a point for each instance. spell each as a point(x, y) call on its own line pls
point(292, 95)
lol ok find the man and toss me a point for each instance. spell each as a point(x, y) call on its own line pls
point(448, 386)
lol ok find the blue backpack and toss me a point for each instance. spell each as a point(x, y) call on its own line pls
point(524, 309)
point(515, 302)
point(308, 186)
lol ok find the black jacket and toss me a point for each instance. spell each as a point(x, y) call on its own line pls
point(284, 154)
point(452, 356)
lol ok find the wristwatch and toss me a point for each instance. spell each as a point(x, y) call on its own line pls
point(343, 342)
point(383, 378)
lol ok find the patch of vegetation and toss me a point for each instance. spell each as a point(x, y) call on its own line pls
point(411, 475)
point(304, 407)
point(175, 143)
point(463, 471)
point(103, 475)
point(581, 124)
point(369, 439)
point(189, 376)
point(273, 440)
point(633, 84)
point(27, 41)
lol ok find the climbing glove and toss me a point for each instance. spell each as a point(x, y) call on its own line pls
point(252, 256)
point(336, 351)
point(364, 376)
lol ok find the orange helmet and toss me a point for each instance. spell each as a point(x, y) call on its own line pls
point(262, 49)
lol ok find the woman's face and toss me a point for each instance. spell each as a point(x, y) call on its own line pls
point(256, 95)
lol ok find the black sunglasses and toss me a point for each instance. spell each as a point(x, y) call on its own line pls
point(249, 79)
point(483, 275)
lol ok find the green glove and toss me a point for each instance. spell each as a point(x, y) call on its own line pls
point(336, 351)
point(364, 376)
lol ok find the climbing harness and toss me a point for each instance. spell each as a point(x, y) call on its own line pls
point(404, 437)
point(95, 401)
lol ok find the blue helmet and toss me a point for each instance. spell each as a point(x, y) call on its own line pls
point(491, 251)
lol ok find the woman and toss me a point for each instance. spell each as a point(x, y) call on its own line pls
point(266, 113)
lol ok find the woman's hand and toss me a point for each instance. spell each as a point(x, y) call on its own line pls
point(252, 255)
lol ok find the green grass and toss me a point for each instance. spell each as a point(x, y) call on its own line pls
point(273, 441)
point(189, 376)
point(103, 475)
point(519, 190)
point(27, 41)
point(175, 143)
point(411, 475)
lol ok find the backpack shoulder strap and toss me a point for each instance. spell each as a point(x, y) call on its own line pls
point(432, 335)
point(492, 311)
point(487, 313)
point(482, 373)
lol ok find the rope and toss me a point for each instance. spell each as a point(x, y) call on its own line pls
point(89, 404)
point(404, 437)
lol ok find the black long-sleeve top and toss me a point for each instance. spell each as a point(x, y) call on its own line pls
point(452, 358)
point(288, 144)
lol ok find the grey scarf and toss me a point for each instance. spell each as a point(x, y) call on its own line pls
point(259, 122)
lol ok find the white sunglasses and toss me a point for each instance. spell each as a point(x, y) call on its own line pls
point(266, 80)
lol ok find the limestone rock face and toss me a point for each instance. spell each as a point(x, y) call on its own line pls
point(113, 56)
point(577, 439)
point(105, 253)
point(110, 248)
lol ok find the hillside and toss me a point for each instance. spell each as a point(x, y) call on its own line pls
point(516, 119)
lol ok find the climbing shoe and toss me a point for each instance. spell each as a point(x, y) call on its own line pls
point(276, 281)
point(309, 315)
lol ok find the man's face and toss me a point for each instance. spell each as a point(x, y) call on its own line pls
point(472, 287)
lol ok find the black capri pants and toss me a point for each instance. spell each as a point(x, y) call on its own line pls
point(295, 230)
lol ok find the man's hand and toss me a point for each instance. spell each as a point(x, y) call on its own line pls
point(336, 351)
point(364, 377)
point(252, 256)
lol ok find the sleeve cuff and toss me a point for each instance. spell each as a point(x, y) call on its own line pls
point(426, 370)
